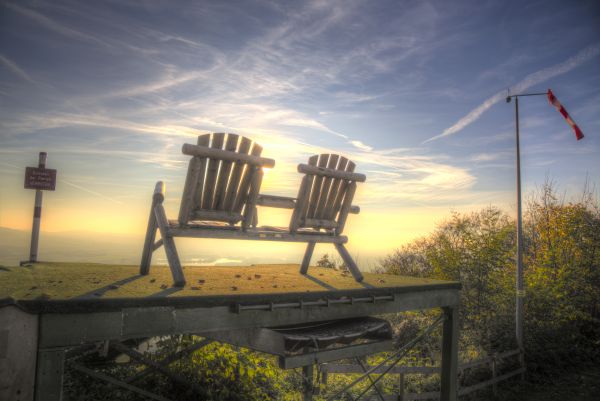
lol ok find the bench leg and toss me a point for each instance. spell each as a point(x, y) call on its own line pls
point(349, 262)
point(169, 244)
point(307, 255)
point(148, 243)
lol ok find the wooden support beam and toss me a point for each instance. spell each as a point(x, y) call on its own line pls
point(169, 244)
point(449, 374)
point(349, 262)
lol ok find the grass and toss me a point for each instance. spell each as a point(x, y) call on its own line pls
point(55, 280)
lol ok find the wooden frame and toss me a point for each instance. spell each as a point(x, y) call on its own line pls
point(221, 193)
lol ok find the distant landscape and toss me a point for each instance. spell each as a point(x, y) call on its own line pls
point(84, 246)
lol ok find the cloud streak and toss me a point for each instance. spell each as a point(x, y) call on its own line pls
point(15, 69)
point(532, 79)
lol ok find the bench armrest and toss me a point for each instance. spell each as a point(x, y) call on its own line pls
point(159, 192)
point(286, 202)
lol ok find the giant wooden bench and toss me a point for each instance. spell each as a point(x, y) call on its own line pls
point(221, 193)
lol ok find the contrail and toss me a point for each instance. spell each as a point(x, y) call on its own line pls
point(91, 192)
point(530, 80)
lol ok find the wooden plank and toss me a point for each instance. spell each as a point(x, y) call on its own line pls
point(193, 180)
point(246, 180)
point(335, 187)
point(203, 140)
point(250, 209)
point(347, 202)
point(216, 215)
point(211, 172)
point(317, 183)
point(220, 154)
point(320, 223)
point(169, 244)
point(223, 179)
point(341, 192)
point(236, 174)
point(322, 171)
point(301, 203)
point(327, 181)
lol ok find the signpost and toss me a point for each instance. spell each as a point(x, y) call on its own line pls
point(41, 179)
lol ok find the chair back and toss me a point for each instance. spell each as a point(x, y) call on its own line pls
point(326, 193)
point(223, 179)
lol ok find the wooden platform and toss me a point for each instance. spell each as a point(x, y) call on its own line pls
point(50, 308)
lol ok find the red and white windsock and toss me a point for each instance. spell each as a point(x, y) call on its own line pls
point(554, 102)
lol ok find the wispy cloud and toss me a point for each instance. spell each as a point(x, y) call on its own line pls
point(89, 191)
point(55, 26)
point(15, 69)
point(532, 79)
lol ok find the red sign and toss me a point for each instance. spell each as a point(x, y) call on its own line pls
point(40, 178)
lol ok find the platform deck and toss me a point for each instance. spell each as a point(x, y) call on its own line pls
point(61, 281)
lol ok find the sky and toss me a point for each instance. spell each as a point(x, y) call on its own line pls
point(412, 91)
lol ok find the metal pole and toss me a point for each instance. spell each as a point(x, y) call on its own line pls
point(520, 294)
point(37, 215)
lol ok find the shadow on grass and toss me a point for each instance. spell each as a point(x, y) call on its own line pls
point(98, 292)
point(165, 293)
point(367, 285)
point(319, 282)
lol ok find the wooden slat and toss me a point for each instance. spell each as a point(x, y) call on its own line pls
point(236, 174)
point(223, 179)
point(247, 177)
point(320, 223)
point(216, 215)
point(211, 174)
point(203, 140)
point(301, 203)
point(250, 210)
point(192, 190)
point(335, 187)
point(347, 202)
point(331, 164)
point(341, 193)
point(316, 188)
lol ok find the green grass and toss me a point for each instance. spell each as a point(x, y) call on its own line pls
point(68, 280)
